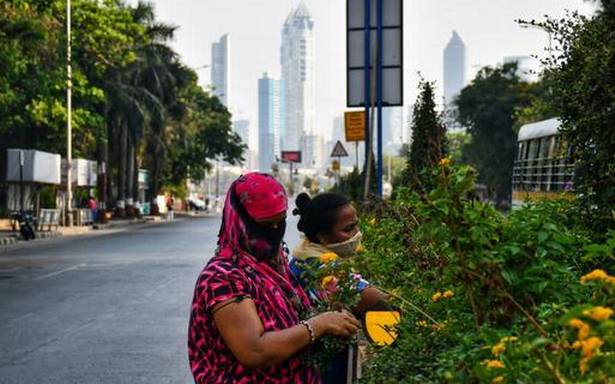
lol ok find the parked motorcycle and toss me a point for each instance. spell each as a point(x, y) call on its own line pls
point(27, 225)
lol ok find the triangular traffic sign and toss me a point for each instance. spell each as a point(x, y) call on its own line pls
point(339, 150)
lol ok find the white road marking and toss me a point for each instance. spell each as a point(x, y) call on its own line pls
point(60, 272)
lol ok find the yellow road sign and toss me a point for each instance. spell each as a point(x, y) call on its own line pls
point(355, 125)
point(335, 166)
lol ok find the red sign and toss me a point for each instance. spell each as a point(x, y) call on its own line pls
point(291, 156)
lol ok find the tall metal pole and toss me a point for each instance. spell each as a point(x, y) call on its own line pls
point(69, 116)
point(379, 92)
point(366, 79)
point(21, 190)
point(291, 189)
point(217, 178)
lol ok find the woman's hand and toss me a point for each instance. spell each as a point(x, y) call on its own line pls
point(336, 323)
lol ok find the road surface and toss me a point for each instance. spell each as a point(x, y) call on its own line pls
point(103, 308)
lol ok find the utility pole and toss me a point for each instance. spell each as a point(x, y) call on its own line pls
point(69, 117)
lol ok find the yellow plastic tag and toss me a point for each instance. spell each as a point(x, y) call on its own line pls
point(380, 327)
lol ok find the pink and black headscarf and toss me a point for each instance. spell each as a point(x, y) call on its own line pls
point(252, 197)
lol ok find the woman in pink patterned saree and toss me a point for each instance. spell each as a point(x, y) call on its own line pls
point(247, 323)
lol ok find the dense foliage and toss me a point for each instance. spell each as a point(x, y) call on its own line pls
point(503, 290)
point(486, 108)
point(580, 76)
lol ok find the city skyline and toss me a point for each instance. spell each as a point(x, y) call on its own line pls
point(483, 24)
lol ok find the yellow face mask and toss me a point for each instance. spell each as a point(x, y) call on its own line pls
point(380, 326)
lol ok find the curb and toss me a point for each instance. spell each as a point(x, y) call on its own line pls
point(9, 240)
point(120, 224)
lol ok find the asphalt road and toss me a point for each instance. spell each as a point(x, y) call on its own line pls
point(104, 308)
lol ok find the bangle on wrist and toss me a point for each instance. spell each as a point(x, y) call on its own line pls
point(310, 330)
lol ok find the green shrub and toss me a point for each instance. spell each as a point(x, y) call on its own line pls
point(500, 288)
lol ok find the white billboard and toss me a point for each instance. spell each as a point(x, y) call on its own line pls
point(38, 166)
point(84, 172)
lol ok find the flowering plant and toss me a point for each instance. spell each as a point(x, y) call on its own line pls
point(333, 282)
point(515, 295)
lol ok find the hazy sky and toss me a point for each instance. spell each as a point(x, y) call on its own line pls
point(486, 26)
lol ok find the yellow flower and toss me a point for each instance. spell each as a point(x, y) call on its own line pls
point(508, 339)
point(436, 296)
point(596, 274)
point(360, 249)
point(372, 221)
point(447, 294)
point(498, 349)
point(497, 380)
point(327, 281)
point(493, 364)
point(599, 313)
point(590, 345)
point(445, 161)
point(328, 257)
point(421, 323)
point(582, 326)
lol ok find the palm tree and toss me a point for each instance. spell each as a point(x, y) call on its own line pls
point(140, 99)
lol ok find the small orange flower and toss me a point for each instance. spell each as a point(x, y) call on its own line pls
point(436, 296)
point(588, 348)
point(497, 380)
point(596, 274)
point(445, 161)
point(447, 294)
point(328, 282)
point(360, 249)
point(328, 257)
point(590, 345)
point(498, 349)
point(599, 313)
point(582, 326)
point(493, 364)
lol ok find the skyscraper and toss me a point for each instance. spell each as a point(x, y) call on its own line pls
point(220, 68)
point(270, 120)
point(297, 60)
point(454, 68)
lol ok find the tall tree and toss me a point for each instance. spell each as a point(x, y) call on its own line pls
point(581, 77)
point(428, 139)
point(487, 108)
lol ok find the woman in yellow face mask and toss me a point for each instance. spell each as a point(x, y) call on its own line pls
point(330, 224)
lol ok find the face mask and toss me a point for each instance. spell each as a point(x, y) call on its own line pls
point(346, 248)
point(265, 241)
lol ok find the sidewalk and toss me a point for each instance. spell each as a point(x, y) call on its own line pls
point(7, 237)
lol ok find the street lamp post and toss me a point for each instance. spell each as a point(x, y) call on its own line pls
point(69, 128)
